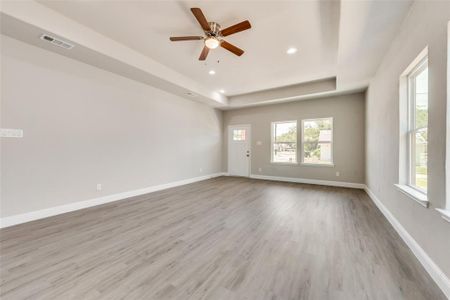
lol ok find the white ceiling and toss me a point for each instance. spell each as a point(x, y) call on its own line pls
point(345, 40)
point(366, 31)
point(145, 26)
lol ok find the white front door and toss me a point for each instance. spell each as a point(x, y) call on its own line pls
point(239, 150)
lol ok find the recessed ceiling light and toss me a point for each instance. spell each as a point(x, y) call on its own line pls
point(222, 91)
point(291, 50)
point(212, 72)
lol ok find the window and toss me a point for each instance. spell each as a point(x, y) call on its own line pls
point(238, 134)
point(284, 142)
point(417, 132)
point(317, 141)
point(446, 212)
point(413, 139)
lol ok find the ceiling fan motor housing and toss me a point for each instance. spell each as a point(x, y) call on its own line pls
point(215, 30)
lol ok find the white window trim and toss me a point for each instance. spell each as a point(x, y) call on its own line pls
point(272, 141)
point(330, 164)
point(412, 130)
point(445, 213)
point(404, 155)
point(327, 165)
point(414, 194)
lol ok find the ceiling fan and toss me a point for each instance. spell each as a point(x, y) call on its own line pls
point(214, 34)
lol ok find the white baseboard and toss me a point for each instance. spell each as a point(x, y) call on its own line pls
point(435, 272)
point(310, 181)
point(53, 211)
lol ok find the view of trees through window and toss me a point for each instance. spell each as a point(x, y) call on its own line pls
point(317, 141)
point(284, 142)
point(419, 130)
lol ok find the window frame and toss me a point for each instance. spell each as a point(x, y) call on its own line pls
point(411, 129)
point(331, 163)
point(445, 212)
point(447, 185)
point(272, 142)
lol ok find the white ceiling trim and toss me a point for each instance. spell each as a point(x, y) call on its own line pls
point(285, 93)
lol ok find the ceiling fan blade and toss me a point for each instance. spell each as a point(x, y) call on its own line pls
point(185, 38)
point(198, 14)
point(232, 48)
point(204, 53)
point(236, 28)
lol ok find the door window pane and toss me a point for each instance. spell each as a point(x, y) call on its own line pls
point(238, 134)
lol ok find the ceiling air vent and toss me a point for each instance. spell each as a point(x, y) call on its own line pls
point(56, 41)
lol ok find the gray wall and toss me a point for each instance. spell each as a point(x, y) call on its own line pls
point(426, 24)
point(84, 126)
point(349, 128)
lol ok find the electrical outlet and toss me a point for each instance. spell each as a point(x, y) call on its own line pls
point(99, 186)
point(201, 170)
point(259, 170)
point(338, 174)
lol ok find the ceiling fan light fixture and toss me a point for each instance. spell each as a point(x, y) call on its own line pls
point(212, 43)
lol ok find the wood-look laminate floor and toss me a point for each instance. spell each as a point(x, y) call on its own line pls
point(224, 238)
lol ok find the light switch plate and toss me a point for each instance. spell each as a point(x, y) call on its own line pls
point(11, 133)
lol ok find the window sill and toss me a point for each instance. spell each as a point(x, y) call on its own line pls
point(417, 196)
point(284, 163)
point(318, 165)
point(445, 214)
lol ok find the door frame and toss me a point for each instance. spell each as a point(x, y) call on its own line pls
point(249, 139)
